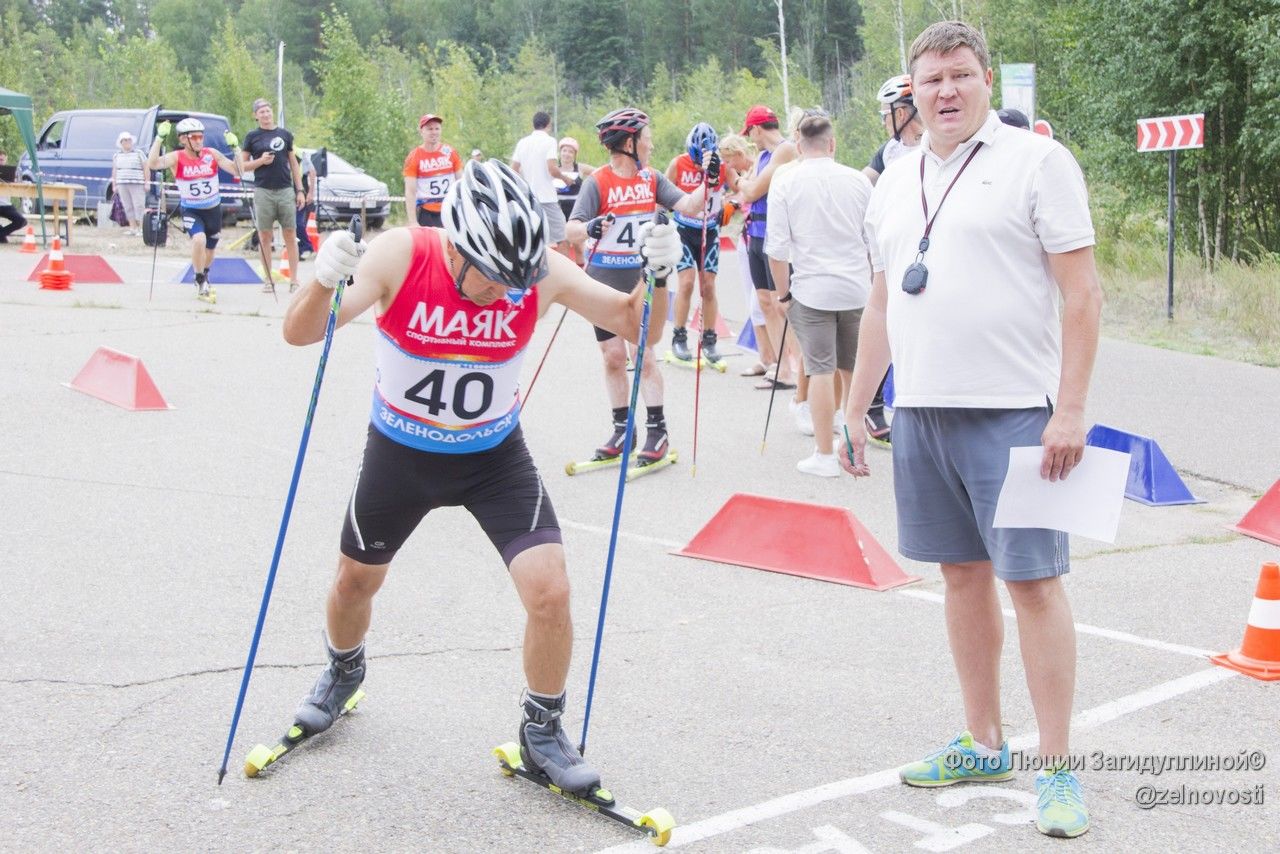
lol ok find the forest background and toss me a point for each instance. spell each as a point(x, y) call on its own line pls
point(357, 74)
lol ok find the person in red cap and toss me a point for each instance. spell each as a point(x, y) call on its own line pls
point(429, 171)
point(762, 129)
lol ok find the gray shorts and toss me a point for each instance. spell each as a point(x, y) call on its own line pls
point(272, 206)
point(828, 339)
point(948, 467)
point(555, 221)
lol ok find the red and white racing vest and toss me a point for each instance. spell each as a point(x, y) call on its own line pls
point(689, 177)
point(448, 370)
point(198, 179)
point(632, 201)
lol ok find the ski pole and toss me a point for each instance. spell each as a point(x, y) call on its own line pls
point(774, 389)
point(628, 441)
point(608, 220)
point(155, 242)
point(357, 231)
point(697, 373)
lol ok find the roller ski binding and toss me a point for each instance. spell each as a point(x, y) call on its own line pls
point(710, 355)
point(545, 756)
point(335, 693)
point(607, 455)
point(655, 454)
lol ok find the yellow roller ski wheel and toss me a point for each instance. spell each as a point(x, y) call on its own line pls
point(509, 757)
point(661, 823)
point(258, 758)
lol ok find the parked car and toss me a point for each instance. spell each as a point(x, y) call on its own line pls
point(76, 147)
point(343, 190)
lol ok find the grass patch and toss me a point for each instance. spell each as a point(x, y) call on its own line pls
point(1232, 312)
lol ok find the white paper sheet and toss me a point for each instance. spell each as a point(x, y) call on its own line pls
point(1087, 502)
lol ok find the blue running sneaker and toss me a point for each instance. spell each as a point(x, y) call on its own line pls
point(958, 762)
point(1060, 810)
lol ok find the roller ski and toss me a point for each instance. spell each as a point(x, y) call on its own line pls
point(204, 291)
point(607, 455)
point(679, 354)
point(544, 756)
point(656, 453)
point(336, 692)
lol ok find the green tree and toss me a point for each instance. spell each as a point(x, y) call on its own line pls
point(234, 80)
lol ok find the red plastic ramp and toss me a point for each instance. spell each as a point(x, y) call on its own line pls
point(796, 538)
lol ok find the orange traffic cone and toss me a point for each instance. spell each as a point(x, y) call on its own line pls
point(1259, 655)
point(29, 241)
point(55, 277)
point(284, 266)
point(313, 231)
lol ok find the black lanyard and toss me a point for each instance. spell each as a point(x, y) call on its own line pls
point(924, 203)
point(917, 275)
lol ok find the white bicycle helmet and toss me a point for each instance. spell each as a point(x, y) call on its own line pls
point(895, 89)
point(495, 222)
point(189, 125)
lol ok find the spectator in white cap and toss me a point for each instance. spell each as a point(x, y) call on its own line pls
point(129, 180)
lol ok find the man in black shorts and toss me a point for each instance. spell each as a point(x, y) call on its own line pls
point(445, 424)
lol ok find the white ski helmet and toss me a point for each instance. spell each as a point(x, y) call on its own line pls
point(188, 125)
point(495, 222)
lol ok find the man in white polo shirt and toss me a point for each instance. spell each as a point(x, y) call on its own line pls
point(537, 160)
point(977, 240)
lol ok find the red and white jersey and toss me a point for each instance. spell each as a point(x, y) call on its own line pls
point(448, 370)
point(689, 178)
point(198, 179)
point(434, 171)
point(632, 202)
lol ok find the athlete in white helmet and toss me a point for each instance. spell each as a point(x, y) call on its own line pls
point(195, 168)
point(455, 309)
point(901, 122)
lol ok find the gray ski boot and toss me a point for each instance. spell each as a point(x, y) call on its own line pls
point(680, 344)
point(336, 684)
point(709, 352)
point(546, 748)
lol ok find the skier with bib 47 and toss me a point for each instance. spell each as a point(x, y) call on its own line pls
point(631, 192)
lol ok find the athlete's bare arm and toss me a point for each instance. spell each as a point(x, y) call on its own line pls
point(377, 280)
point(224, 161)
point(155, 161)
point(410, 200)
point(752, 188)
point(567, 284)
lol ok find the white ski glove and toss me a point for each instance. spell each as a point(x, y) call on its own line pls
point(661, 248)
point(338, 257)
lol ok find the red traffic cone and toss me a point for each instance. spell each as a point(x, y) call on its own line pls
point(313, 231)
point(55, 277)
point(284, 266)
point(1259, 655)
point(29, 241)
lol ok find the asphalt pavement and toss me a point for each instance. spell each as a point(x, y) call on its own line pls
point(766, 712)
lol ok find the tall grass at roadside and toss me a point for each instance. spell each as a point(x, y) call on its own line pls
point(1232, 312)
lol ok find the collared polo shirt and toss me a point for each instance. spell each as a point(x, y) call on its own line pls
point(985, 332)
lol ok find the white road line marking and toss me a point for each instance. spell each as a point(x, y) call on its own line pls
point(937, 598)
point(1083, 628)
point(740, 818)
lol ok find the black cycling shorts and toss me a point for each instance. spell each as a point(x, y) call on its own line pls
point(397, 485)
point(694, 255)
point(431, 219)
point(761, 276)
point(206, 221)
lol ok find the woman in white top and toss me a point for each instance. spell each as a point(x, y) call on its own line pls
point(129, 179)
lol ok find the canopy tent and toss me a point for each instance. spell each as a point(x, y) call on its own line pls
point(19, 106)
